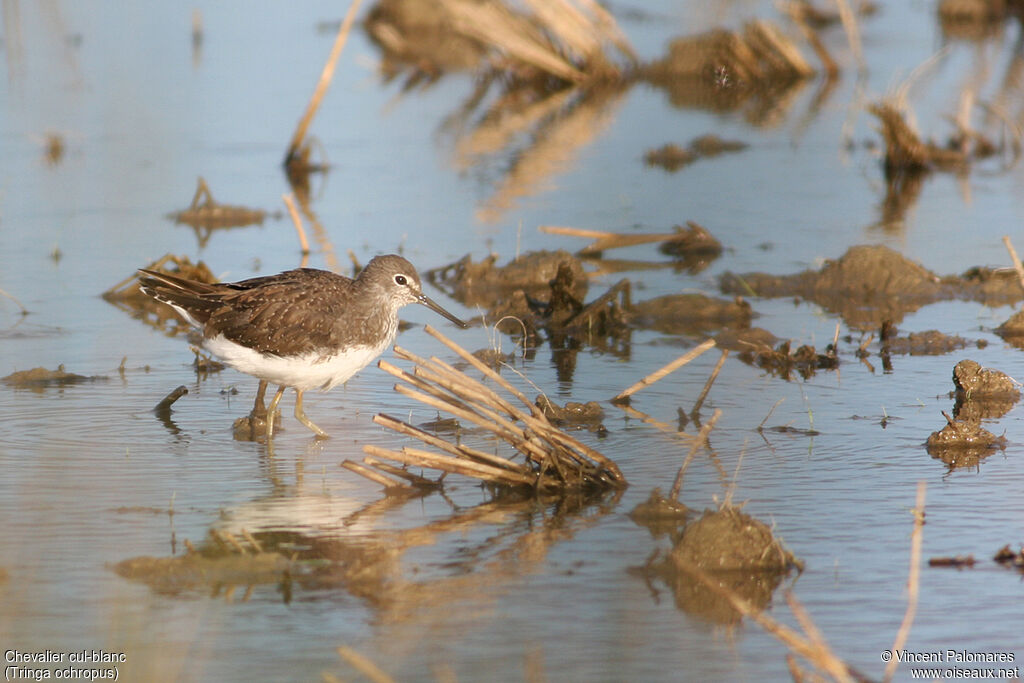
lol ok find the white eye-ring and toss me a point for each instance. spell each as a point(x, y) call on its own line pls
point(401, 280)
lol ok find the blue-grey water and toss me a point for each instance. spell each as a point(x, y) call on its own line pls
point(88, 475)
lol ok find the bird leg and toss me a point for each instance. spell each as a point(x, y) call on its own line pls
point(259, 410)
point(273, 409)
point(301, 417)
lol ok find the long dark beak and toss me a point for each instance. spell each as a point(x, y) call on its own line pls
point(434, 306)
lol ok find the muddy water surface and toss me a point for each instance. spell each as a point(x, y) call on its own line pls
point(464, 582)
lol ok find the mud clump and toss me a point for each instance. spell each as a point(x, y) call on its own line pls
point(1012, 331)
point(485, 284)
point(974, 19)
point(869, 285)
point(963, 443)
point(196, 571)
point(40, 378)
point(660, 515)
point(981, 393)
point(783, 361)
point(1007, 557)
point(731, 540)
point(974, 382)
point(927, 343)
point(693, 247)
point(672, 157)
point(750, 341)
point(737, 551)
point(689, 314)
point(205, 214)
point(585, 415)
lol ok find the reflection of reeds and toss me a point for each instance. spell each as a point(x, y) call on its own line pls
point(554, 461)
point(554, 144)
point(560, 38)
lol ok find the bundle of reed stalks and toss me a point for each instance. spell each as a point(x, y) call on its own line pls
point(552, 460)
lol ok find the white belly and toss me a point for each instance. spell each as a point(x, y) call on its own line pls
point(310, 371)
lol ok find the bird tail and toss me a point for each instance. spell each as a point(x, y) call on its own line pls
point(195, 301)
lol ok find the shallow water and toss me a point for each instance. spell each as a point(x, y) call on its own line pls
point(90, 477)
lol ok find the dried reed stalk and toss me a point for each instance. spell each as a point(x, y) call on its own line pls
point(1017, 265)
point(671, 367)
point(321, 87)
point(913, 581)
point(554, 461)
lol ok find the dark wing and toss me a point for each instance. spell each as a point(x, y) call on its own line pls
point(290, 313)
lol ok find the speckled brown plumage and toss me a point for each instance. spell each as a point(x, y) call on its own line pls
point(303, 328)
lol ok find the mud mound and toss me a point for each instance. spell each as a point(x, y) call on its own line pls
point(485, 284)
point(731, 540)
point(197, 571)
point(38, 378)
point(737, 551)
point(927, 343)
point(869, 285)
point(689, 314)
point(981, 394)
point(660, 515)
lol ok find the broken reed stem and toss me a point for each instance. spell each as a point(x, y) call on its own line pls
point(437, 442)
point(511, 433)
point(913, 581)
point(711, 380)
point(558, 459)
point(371, 474)
point(671, 367)
point(325, 81)
point(388, 468)
point(697, 443)
point(1017, 265)
point(605, 240)
point(469, 468)
point(819, 655)
point(360, 662)
point(297, 221)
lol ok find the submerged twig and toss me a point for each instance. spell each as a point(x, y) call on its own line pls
point(711, 380)
point(24, 311)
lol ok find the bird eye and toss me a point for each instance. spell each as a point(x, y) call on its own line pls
point(400, 280)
